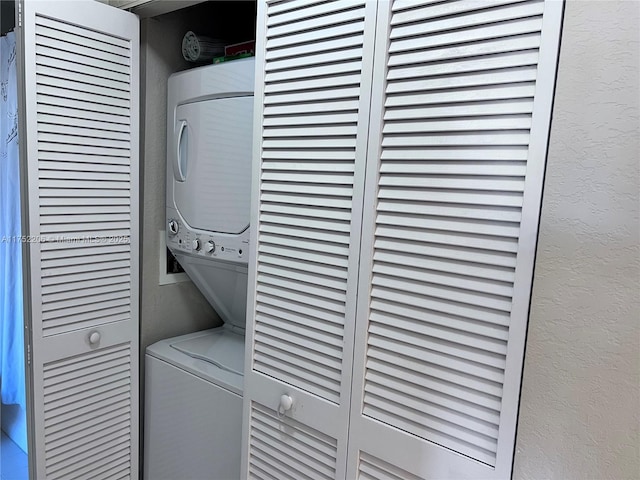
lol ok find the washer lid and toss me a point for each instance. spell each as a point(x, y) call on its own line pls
point(214, 355)
point(213, 151)
point(221, 347)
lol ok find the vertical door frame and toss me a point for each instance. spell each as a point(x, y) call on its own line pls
point(26, 232)
point(372, 175)
point(531, 209)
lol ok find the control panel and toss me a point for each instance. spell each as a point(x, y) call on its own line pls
point(184, 239)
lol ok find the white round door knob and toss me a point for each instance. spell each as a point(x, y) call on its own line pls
point(286, 402)
point(94, 338)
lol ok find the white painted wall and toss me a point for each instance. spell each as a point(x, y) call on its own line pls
point(580, 407)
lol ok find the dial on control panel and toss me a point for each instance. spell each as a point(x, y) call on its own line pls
point(196, 244)
point(210, 247)
point(173, 227)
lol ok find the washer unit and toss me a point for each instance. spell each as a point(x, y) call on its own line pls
point(209, 146)
point(193, 406)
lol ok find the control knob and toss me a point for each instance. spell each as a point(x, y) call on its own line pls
point(210, 247)
point(173, 227)
point(195, 243)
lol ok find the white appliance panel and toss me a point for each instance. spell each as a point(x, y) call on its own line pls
point(215, 149)
point(193, 406)
point(223, 284)
point(193, 426)
point(209, 151)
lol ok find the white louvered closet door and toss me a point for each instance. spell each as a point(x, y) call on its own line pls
point(81, 134)
point(461, 108)
point(314, 61)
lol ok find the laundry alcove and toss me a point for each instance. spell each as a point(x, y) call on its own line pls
point(399, 160)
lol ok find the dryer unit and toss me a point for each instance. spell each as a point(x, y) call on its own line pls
point(209, 146)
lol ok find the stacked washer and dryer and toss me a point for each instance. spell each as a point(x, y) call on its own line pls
point(193, 388)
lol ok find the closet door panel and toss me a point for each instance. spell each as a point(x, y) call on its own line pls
point(284, 448)
point(80, 83)
point(461, 108)
point(313, 82)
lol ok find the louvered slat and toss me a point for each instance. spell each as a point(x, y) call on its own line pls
point(57, 98)
point(295, 451)
point(64, 45)
point(494, 11)
point(62, 30)
point(46, 28)
point(372, 468)
point(82, 168)
point(84, 154)
point(99, 120)
point(79, 60)
point(98, 433)
point(112, 396)
point(84, 286)
point(458, 105)
point(311, 101)
point(75, 130)
point(304, 19)
point(61, 67)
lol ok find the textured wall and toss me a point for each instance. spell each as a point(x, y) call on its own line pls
point(175, 309)
point(580, 408)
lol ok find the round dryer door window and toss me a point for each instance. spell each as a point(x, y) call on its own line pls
point(214, 146)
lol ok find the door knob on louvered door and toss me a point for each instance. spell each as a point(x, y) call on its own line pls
point(94, 338)
point(286, 402)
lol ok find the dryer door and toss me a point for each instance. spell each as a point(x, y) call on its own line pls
point(212, 163)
